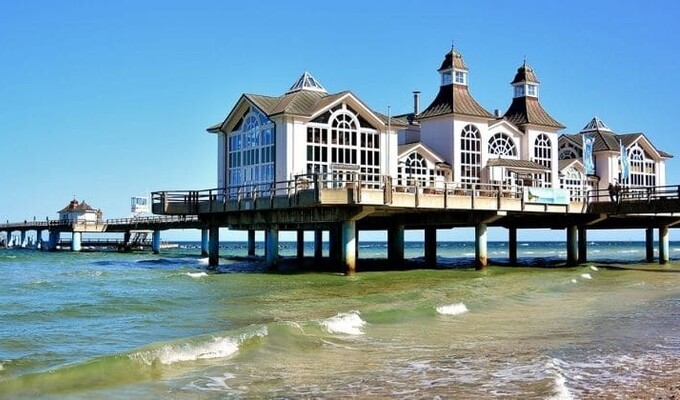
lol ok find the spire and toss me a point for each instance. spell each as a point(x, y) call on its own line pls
point(525, 107)
point(306, 82)
point(596, 124)
point(454, 96)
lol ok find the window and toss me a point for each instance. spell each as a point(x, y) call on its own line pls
point(642, 169)
point(519, 91)
point(543, 156)
point(501, 144)
point(461, 77)
point(343, 138)
point(471, 155)
point(569, 151)
point(532, 90)
point(446, 78)
point(250, 154)
point(414, 170)
point(572, 180)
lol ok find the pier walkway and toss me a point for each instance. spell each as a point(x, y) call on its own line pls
point(134, 229)
point(344, 206)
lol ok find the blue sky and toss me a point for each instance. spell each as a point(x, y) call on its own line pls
point(109, 99)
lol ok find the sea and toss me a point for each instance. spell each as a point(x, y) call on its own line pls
point(108, 325)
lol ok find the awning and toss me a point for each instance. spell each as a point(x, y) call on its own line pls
point(518, 166)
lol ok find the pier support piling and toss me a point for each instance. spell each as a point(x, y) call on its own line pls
point(431, 246)
point(156, 241)
point(53, 240)
point(318, 244)
point(582, 245)
point(663, 245)
point(271, 246)
point(22, 243)
point(395, 245)
point(300, 244)
point(348, 248)
point(480, 246)
point(572, 248)
point(334, 244)
point(76, 240)
point(251, 242)
point(649, 245)
point(204, 243)
point(512, 245)
point(214, 246)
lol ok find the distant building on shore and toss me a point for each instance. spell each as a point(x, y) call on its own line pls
point(454, 140)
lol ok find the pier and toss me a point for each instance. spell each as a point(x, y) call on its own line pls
point(321, 203)
point(343, 207)
point(135, 231)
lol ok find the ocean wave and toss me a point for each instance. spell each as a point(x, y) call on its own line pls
point(197, 275)
point(452, 309)
point(586, 276)
point(217, 347)
point(348, 323)
point(594, 268)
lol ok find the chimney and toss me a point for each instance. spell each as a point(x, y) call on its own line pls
point(497, 113)
point(416, 102)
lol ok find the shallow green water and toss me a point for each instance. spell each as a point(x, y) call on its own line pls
point(106, 325)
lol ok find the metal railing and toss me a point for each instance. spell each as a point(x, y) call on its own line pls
point(191, 200)
point(639, 193)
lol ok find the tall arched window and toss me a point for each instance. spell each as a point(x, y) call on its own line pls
point(338, 140)
point(501, 144)
point(543, 156)
point(642, 169)
point(572, 180)
point(250, 152)
point(471, 155)
point(414, 169)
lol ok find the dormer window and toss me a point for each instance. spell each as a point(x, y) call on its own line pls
point(461, 78)
point(519, 90)
point(447, 78)
point(532, 90)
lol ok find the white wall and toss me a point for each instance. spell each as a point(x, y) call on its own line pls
point(221, 160)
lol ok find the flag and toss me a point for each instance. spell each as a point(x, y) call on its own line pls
point(625, 162)
point(588, 142)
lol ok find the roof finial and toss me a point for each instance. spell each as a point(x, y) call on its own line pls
point(524, 62)
point(452, 44)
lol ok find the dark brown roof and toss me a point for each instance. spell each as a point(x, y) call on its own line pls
point(525, 74)
point(528, 110)
point(302, 102)
point(606, 140)
point(453, 58)
point(454, 99)
point(74, 205)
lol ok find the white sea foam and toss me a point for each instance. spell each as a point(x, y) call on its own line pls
point(348, 323)
point(594, 268)
point(561, 390)
point(586, 276)
point(203, 261)
point(452, 309)
point(197, 275)
point(212, 383)
point(218, 347)
point(574, 281)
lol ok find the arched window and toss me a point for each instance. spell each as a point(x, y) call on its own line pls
point(337, 141)
point(471, 155)
point(569, 151)
point(501, 144)
point(642, 169)
point(572, 180)
point(414, 169)
point(250, 154)
point(543, 156)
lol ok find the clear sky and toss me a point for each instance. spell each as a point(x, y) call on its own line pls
point(109, 99)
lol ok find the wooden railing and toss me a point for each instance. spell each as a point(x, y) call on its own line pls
point(644, 193)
